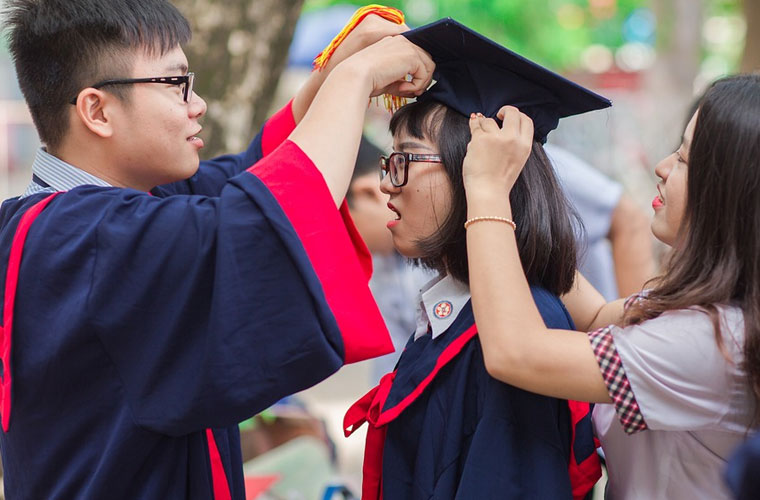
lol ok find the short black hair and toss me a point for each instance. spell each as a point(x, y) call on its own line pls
point(545, 219)
point(367, 162)
point(368, 159)
point(62, 46)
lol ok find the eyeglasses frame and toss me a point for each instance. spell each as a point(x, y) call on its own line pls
point(186, 79)
point(385, 164)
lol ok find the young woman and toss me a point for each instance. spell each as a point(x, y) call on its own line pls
point(440, 426)
point(679, 367)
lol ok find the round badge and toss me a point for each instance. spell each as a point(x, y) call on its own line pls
point(442, 310)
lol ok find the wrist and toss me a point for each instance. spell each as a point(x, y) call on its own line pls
point(355, 71)
point(488, 203)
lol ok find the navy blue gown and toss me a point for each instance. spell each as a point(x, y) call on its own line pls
point(442, 428)
point(147, 326)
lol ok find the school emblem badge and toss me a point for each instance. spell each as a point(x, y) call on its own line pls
point(442, 310)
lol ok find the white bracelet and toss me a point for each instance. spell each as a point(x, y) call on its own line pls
point(493, 218)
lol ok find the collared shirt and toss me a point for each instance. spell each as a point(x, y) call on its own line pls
point(51, 174)
point(439, 304)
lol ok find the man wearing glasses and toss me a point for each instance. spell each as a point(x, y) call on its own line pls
point(151, 304)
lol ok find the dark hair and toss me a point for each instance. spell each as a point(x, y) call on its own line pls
point(716, 260)
point(62, 46)
point(367, 162)
point(544, 219)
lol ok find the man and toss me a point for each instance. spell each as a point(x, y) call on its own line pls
point(149, 318)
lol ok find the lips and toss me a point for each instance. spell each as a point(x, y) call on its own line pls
point(394, 210)
point(195, 135)
point(658, 200)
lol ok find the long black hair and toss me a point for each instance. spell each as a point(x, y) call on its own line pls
point(544, 218)
point(717, 259)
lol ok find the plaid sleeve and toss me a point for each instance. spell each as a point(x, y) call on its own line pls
point(616, 380)
point(633, 299)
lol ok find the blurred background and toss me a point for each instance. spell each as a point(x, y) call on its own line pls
point(650, 57)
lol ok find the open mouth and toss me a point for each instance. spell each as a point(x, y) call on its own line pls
point(393, 209)
point(195, 137)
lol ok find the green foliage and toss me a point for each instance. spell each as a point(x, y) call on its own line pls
point(552, 32)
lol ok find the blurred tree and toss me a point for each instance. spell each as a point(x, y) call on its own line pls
point(751, 58)
point(238, 51)
point(679, 43)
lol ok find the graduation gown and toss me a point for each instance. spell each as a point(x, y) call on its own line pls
point(442, 428)
point(145, 327)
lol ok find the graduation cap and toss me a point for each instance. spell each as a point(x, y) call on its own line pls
point(474, 74)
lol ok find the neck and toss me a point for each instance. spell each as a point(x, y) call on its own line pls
point(98, 161)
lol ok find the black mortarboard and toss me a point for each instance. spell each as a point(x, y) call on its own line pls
point(474, 74)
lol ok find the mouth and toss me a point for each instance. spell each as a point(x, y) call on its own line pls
point(659, 195)
point(195, 139)
point(394, 210)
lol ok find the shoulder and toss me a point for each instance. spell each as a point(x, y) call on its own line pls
point(691, 325)
point(552, 309)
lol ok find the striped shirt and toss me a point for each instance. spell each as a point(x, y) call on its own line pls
point(51, 174)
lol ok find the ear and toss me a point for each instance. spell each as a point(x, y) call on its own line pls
point(94, 109)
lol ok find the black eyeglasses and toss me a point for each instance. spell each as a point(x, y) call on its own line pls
point(396, 164)
point(185, 83)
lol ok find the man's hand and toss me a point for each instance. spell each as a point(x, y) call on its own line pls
point(394, 65)
point(372, 29)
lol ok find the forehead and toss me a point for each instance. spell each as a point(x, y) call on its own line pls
point(689, 132)
point(173, 61)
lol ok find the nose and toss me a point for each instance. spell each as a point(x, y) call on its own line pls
point(387, 187)
point(663, 168)
point(196, 107)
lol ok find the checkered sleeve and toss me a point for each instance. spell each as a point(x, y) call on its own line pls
point(633, 299)
point(616, 380)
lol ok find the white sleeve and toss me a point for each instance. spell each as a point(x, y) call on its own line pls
point(676, 370)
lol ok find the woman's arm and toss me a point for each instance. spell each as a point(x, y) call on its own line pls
point(517, 346)
point(588, 308)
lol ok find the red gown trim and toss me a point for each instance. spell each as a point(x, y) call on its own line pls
point(277, 129)
point(11, 283)
point(218, 475)
point(336, 252)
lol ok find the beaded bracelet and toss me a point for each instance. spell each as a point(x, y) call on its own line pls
point(493, 218)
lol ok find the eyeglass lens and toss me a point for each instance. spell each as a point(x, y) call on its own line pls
point(397, 167)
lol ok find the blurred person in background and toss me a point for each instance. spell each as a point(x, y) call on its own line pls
point(395, 282)
point(615, 248)
point(678, 366)
point(160, 302)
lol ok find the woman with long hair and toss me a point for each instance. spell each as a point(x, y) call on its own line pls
point(679, 365)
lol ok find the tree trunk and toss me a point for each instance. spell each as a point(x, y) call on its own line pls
point(751, 58)
point(238, 51)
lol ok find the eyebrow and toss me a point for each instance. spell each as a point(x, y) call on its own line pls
point(181, 67)
point(413, 145)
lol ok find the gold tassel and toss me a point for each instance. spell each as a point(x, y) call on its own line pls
point(391, 102)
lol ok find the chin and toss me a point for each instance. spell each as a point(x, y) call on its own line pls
point(409, 253)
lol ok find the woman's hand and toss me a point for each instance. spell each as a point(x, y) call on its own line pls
point(496, 156)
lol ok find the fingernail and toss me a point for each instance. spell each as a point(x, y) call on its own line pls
point(472, 116)
point(480, 115)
